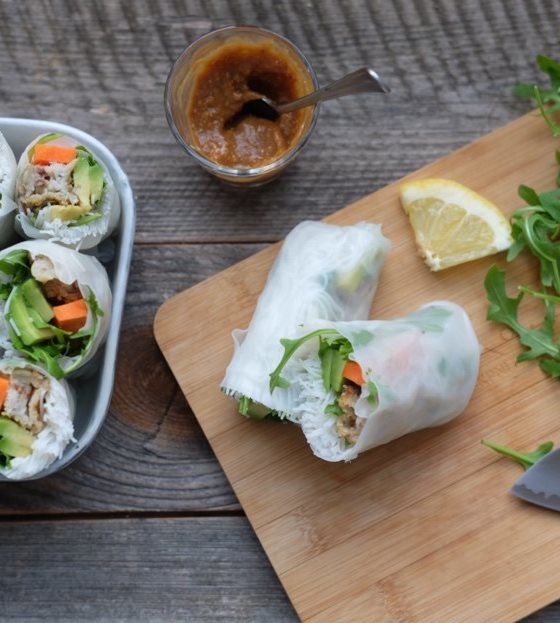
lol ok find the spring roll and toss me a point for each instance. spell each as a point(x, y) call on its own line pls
point(7, 167)
point(322, 271)
point(36, 417)
point(7, 186)
point(362, 384)
point(65, 193)
point(55, 305)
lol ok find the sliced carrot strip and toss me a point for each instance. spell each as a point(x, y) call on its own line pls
point(45, 154)
point(4, 385)
point(353, 372)
point(71, 316)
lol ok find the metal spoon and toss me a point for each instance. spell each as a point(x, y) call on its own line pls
point(363, 80)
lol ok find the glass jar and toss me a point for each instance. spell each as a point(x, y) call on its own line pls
point(209, 83)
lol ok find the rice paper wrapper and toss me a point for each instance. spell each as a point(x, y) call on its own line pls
point(322, 271)
point(8, 206)
point(420, 371)
point(75, 236)
point(50, 442)
point(70, 266)
point(7, 168)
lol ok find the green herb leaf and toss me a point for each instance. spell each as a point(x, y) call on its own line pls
point(290, 347)
point(547, 99)
point(528, 194)
point(334, 409)
point(430, 318)
point(526, 459)
point(373, 394)
point(539, 342)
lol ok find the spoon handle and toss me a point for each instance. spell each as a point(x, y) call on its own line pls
point(363, 80)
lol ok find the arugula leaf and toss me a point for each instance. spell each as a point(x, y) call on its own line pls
point(361, 337)
point(290, 347)
point(430, 318)
point(334, 409)
point(94, 305)
point(547, 99)
point(528, 194)
point(243, 405)
point(526, 459)
point(373, 394)
point(539, 342)
point(537, 228)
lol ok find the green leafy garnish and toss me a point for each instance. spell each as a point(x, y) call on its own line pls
point(94, 305)
point(290, 347)
point(373, 394)
point(526, 459)
point(85, 219)
point(430, 318)
point(535, 228)
point(539, 342)
point(16, 266)
point(334, 409)
point(547, 99)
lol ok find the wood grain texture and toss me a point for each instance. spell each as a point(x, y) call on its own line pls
point(423, 528)
point(119, 570)
point(451, 66)
point(101, 66)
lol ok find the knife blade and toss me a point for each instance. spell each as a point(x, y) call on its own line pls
point(540, 484)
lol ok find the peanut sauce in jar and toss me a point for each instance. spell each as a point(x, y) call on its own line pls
point(238, 71)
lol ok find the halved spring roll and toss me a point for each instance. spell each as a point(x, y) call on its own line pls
point(55, 304)
point(36, 414)
point(7, 167)
point(7, 186)
point(65, 193)
point(322, 271)
point(362, 384)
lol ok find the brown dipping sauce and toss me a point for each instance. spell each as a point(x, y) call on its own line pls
point(238, 71)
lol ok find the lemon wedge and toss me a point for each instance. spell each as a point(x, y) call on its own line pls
point(452, 223)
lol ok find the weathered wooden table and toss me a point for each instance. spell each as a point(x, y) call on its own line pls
point(144, 526)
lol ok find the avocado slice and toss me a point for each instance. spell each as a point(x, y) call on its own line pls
point(337, 366)
point(68, 212)
point(19, 314)
point(96, 181)
point(257, 411)
point(35, 299)
point(14, 439)
point(82, 182)
point(326, 366)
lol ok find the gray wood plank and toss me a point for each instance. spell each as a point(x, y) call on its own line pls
point(451, 66)
point(120, 570)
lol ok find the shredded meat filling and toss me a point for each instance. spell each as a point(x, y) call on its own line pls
point(58, 292)
point(42, 185)
point(349, 425)
point(25, 399)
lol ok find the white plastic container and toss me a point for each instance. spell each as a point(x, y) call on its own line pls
point(93, 389)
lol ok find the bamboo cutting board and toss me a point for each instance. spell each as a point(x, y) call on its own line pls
point(423, 528)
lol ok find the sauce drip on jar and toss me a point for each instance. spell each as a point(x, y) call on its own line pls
point(229, 76)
